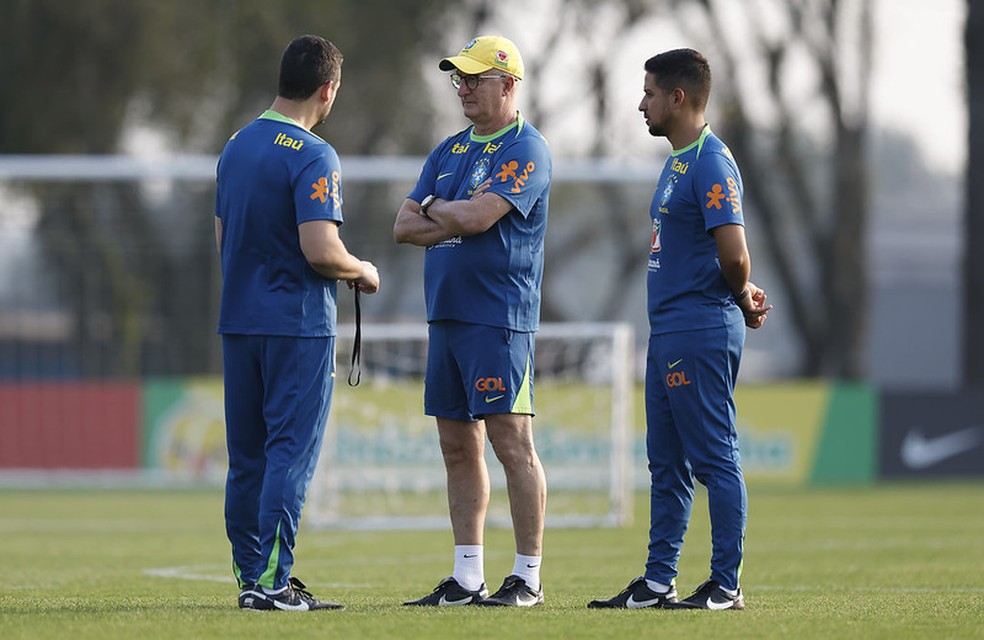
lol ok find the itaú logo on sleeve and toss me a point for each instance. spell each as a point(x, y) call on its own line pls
point(489, 384)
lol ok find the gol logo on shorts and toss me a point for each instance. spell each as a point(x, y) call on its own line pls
point(490, 384)
point(677, 379)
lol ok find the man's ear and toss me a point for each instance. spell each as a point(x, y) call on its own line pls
point(511, 84)
point(678, 97)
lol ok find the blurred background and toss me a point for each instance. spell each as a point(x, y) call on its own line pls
point(857, 126)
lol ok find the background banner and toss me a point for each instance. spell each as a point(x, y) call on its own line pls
point(932, 434)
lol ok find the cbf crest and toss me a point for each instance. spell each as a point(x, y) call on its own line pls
point(668, 190)
point(480, 171)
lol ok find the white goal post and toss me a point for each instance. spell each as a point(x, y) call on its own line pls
point(381, 465)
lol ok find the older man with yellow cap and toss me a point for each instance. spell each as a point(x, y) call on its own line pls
point(480, 209)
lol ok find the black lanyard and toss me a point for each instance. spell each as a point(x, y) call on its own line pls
point(356, 368)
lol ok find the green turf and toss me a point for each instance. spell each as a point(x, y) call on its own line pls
point(898, 562)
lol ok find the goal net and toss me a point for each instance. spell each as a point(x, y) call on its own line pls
point(381, 466)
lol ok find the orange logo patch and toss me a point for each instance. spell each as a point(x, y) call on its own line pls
point(717, 194)
point(320, 190)
point(508, 172)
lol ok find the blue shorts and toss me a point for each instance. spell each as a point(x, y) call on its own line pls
point(474, 370)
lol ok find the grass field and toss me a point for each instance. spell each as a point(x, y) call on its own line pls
point(899, 561)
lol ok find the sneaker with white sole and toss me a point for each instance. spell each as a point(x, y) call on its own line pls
point(710, 595)
point(250, 596)
point(448, 593)
point(514, 592)
point(295, 597)
point(637, 595)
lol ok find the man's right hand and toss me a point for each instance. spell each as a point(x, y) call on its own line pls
point(368, 282)
point(754, 307)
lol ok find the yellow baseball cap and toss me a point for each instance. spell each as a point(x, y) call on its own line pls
point(484, 53)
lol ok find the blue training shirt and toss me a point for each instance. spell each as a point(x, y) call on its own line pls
point(699, 189)
point(273, 175)
point(492, 278)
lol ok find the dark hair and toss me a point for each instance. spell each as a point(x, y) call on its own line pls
point(308, 63)
point(684, 69)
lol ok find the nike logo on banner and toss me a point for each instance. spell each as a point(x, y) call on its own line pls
point(920, 452)
point(444, 175)
point(670, 365)
point(632, 603)
point(493, 398)
point(444, 602)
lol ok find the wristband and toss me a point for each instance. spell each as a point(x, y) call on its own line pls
point(742, 295)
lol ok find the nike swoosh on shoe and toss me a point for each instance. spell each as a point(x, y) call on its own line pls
point(632, 603)
point(719, 606)
point(283, 606)
point(444, 602)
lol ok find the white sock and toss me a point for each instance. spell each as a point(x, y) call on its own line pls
point(273, 592)
point(469, 565)
point(657, 587)
point(528, 568)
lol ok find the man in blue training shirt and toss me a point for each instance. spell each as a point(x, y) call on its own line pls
point(277, 211)
point(480, 209)
point(700, 301)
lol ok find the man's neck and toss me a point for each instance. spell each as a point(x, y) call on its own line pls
point(299, 112)
point(498, 124)
point(687, 133)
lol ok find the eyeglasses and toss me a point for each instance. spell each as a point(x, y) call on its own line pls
point(471, 82)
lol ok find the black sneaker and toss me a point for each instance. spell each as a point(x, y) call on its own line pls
point(710, 595)
point(514, 592)
point(637, 595)
point(294, 598)
point(252, 597)
point(448, 593)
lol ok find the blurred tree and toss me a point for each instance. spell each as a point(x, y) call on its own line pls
point(202, 68)
point(79, 77)
point(791, 95)
point(973, 266)
point(813, 199)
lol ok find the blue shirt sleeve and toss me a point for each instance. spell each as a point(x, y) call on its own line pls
point(718, 190)
point(318, 187)
point(524, 172)
point(427, 181)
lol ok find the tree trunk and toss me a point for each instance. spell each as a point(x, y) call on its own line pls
point(849, 272)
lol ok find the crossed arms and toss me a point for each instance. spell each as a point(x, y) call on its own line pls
point(446, 219)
